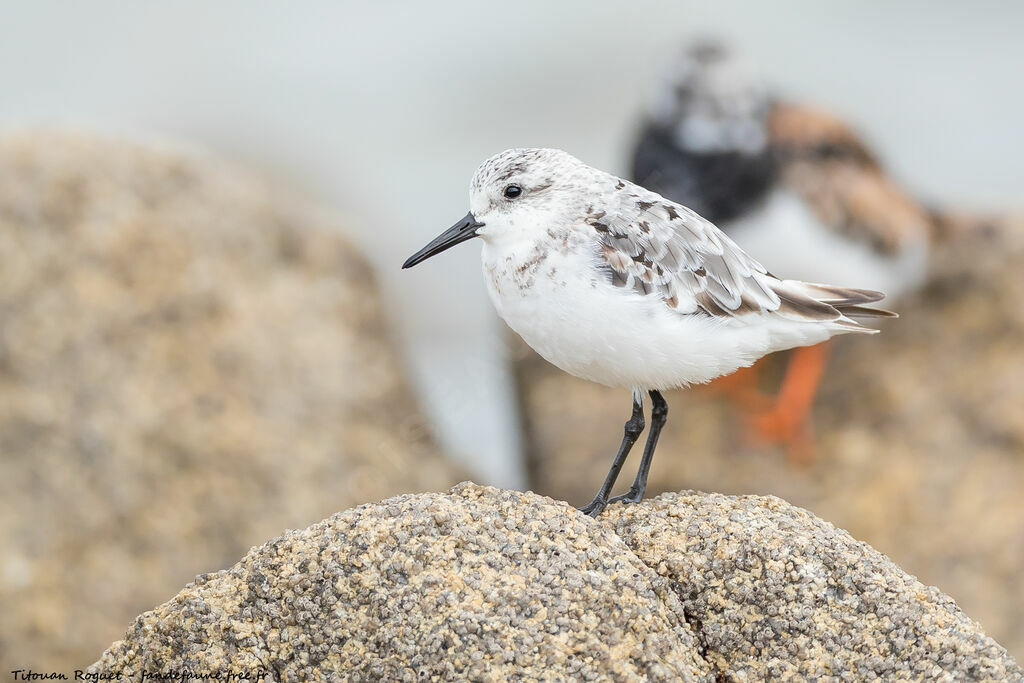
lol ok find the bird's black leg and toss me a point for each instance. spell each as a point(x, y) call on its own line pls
point(634, 427)
point(659, 414)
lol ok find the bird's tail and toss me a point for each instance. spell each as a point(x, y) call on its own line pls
point(844, 303)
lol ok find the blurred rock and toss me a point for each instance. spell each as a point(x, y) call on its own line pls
point(919, 433)
point(189, 363)
point(484, 584)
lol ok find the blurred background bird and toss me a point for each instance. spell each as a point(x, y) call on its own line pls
point(790, 183)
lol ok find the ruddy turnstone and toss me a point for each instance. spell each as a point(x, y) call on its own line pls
point(613, 283)
point(792, 184)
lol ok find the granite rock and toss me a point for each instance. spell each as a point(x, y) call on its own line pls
point(191, 360)
point(484, 584)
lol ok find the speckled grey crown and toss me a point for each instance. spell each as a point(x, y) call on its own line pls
point(519, 160)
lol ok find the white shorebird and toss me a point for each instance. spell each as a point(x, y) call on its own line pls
point(792, 184)
point(618, 285)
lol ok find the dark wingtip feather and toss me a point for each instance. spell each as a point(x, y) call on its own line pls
point(866, 312)
point(823, 302)
point(804, 307)
point(842, 296)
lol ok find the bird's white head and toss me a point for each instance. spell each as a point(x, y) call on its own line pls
point(518, 193)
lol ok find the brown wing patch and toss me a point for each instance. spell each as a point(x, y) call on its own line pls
point(825, 162)
point(802, 133)
point(615, 258)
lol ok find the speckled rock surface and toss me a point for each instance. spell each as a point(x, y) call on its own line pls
point(190, 362)
point(473, 585)
point(919, 433)
point(774, 592)
point(484, 584)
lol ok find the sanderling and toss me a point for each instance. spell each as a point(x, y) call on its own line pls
point(615, 284)
point(792, 184)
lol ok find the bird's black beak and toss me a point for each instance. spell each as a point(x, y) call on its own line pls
point(460, 232)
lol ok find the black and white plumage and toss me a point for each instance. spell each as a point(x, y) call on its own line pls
point(792, 183)
point(618, 285)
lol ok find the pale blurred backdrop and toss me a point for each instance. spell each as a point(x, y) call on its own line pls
point(383, 110)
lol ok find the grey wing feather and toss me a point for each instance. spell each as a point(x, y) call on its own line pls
point(659, 248)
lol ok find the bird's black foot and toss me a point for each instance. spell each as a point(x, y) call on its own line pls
point(595, 507)
point(630, 496)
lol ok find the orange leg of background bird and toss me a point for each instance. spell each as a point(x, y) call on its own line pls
point(742, 388)
point(788, 420)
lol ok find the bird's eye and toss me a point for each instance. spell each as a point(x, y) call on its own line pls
point(513, 191)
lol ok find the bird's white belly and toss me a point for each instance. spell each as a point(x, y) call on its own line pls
point(565, 308)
